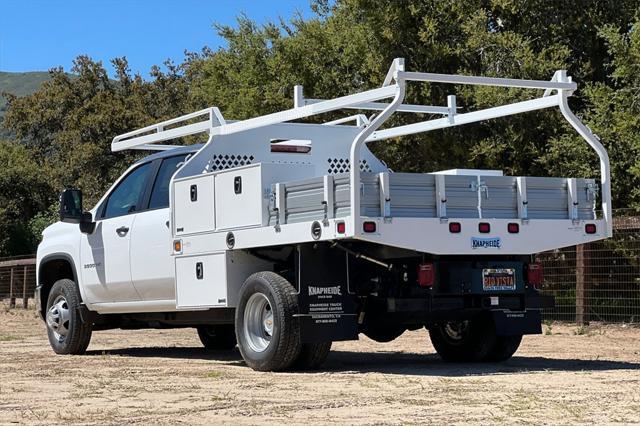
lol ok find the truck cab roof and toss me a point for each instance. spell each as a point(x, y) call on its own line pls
point(188, 149)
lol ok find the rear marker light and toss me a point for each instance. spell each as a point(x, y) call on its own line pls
point(484, 228)
point(369, 227)
point(426, 275)
point(341, 227)
point(513, 228)
point(535, 274)
point(455, 227)
point(590, 228)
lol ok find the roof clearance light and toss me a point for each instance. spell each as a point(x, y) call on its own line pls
point(369, 227)
point(455, 227)
point(484, 227)
point(513, 228)
point(590, 228)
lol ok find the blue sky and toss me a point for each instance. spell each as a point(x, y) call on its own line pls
point(36, 35)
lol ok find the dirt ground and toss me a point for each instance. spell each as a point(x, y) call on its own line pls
point(565, 376)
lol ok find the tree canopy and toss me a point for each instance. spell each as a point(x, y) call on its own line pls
point(63, 131)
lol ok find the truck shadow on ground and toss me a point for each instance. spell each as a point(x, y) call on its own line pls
point(405, 363)
point(432, 365)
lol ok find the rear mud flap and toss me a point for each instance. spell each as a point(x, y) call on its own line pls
point(327, 310)
point(513, 323)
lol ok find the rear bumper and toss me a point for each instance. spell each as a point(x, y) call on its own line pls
point(438, 304)
point(512, 315)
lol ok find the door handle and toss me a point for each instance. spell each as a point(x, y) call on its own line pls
point(122, 231)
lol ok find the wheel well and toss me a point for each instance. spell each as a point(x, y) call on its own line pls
point(51, 271)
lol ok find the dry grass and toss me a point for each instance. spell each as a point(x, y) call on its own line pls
point(566, 376)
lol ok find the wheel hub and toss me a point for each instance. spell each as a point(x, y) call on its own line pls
point(258, 322)
point(456, 330)
point(58, 317)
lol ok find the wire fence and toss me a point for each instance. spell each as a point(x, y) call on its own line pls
point(17, 280)
point(597, 281)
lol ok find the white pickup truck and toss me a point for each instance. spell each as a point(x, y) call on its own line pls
point(267, 238)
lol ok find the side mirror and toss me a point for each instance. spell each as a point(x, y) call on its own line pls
point(71, 210)
point(71, 205)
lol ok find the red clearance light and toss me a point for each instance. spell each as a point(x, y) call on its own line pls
point(590, 228)
point(426, 275)
point(484, 227)
point(341, 227)
point(455, 227)
point(535, 274)
point(369, 227)
point(513, 228)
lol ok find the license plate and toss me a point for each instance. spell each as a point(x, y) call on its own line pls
point(498, 279)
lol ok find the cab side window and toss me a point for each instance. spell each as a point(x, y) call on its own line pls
point(127, 196)
point(160, 192)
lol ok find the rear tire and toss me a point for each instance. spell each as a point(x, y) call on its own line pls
point(267, 331)
point(464, 341)
point(69, 333)
point(217, 337)
point(312, 355)
point(383, 333)
point(504, 348)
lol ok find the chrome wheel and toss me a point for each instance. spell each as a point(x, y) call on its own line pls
point(258, 322)
point(58, 317)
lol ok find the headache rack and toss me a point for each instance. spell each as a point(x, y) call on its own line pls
point(366, 129)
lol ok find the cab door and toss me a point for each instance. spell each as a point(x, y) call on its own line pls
point(152, 264)
point(105, 271)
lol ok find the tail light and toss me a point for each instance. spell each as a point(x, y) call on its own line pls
point(455, 227)
point(590, 228)
point(513, 228)
point(369, 227)
point(426, 275)
point(341, 227)
point(484, 227)
point(535, 274)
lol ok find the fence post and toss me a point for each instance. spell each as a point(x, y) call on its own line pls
point(12, 297)
point(581, 277)
point(25, 298)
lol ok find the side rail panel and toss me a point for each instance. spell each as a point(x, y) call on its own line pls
point(413, 195)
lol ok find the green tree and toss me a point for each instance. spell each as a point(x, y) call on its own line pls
point(612, 112)
point(25, 189)
point(70, 122)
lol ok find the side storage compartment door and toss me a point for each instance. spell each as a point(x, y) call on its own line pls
point(201, 281)
point(194, 205)
point(239, 198)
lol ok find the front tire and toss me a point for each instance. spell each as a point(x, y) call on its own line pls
point(268, 334)
point(68, 332)
point(217, 337)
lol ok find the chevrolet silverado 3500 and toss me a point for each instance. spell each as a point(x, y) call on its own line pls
point(281, 236)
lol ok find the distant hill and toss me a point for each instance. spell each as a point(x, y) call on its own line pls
point(20, 84)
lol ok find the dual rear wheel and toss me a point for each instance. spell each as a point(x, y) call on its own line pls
point(268, 330)
point(473, 340)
